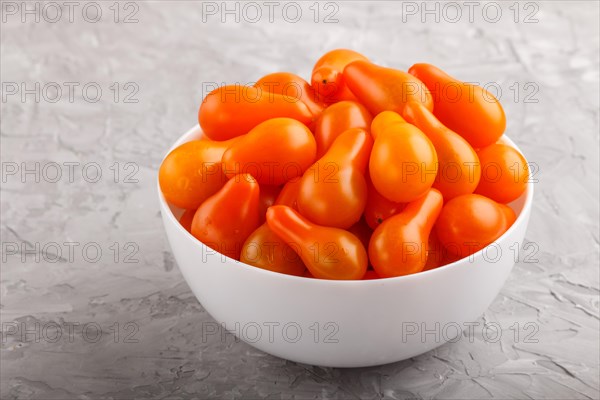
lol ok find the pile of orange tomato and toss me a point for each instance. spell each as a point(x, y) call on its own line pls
point(366, 172)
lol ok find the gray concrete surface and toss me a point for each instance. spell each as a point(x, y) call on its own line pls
point(125, 325)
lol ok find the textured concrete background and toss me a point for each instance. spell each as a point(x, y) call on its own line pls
point(544, 59)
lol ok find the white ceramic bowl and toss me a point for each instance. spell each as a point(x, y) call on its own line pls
point(343, 323)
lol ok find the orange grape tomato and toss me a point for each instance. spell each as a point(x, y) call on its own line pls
point(467, 109)
point(399, 245)
point(293, 88)
point(336, 119)
point(226, 219)
point(327, 75)
point(234, 110)
point(470, 222)
point(328, 253)
point(191, 173)
point(264, 249)
point(274, 152)
point(403, 163)
point(504, 173)
point(383, 120)
point(186, 219)
point(384, 89)
point(333, 192)
point(459, 170)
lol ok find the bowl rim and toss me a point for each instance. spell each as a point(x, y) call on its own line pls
point(164, 206)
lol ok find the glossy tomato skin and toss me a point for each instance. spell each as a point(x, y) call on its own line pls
point(399, 245)
point(383, 120)
point(192, 172)
point(403, 163)
point(384, 89)
point(459, 170)
point(467, 109)
point(268, 196)
point(437, 254)
point(186, 219)
point(328, 253)
point(378, 208)
point(327, 75)
point(293, 88)
point(505, 173)
point(470, 222)
point(289, 193)
point(274, 152)
point(362, 231)
point(338, 204)
point(264, 249)
point(336, 119)
point(234, 110)
point(226, 219)
point(333, 192)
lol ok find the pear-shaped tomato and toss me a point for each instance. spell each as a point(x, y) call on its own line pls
point(226, 219)
point(274, 152)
